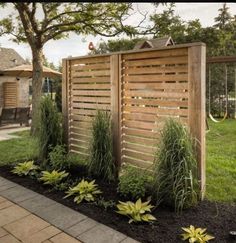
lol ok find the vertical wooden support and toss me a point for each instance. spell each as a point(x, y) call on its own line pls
point(197, 72)
point(115, 106)
point(65, 117)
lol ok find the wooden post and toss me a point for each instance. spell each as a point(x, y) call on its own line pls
point(115, 106)
point(197, 73)
point(65, 101)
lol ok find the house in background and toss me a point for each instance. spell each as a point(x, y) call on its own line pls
point(14, 91)
point(155, 43)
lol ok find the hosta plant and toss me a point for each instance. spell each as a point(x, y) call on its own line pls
point(136, 211)
point(25, 168)
point(197, 235)
point(83, 191)
point(54, 177)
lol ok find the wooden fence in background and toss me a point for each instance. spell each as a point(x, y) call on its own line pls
point(141, 89)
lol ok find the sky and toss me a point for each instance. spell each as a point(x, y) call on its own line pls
point(77, 45)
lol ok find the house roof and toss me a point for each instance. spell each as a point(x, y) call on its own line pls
point(155, 43)
point(10, 58)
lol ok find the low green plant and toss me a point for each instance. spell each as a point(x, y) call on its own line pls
point(101, 162)
point(75, 160)
point(133, 183)
point(58, 158)
point(54, 177)
point(83, 191)
point(25, 168)
point(136, 211)
point(197, 235)
point(175, 180)
point(101, 202)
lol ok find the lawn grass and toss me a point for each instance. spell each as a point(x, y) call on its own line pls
point(221, 161)
point(18, 149)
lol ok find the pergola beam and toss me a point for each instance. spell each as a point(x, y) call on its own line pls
point(221, 59)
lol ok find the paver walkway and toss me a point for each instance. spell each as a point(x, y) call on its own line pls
point(29, 217)
point(19, 225)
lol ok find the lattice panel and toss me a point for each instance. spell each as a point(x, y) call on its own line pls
point(89, 89)
point(154, 87)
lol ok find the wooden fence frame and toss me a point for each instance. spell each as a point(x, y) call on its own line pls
point(196, 78)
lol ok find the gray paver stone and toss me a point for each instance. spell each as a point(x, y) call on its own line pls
point(102, 234)
point(36, 204)
point(81, 227)
point(61, 216)
point(18, 194)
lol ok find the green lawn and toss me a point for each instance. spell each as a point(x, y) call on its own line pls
point(18, 149)
point(221, 161)
point(221, 158)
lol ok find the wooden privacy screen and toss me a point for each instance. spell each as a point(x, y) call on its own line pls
point(10, 94)
point(141, 89)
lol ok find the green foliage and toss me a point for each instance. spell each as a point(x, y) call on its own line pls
point(116, 45)
point(101, 202)
point(101, 162)
point(25, 168)
point(75, 160)
point(50, 132)
point(136, 211)
point(84, 191)
point(133, 183)
point(197, 235)
point(57, 158)
point(54, 177)
point(176, 167)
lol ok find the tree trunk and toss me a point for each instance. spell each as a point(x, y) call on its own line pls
point(37, 82)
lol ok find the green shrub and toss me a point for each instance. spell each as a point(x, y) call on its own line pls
point(50, 132)
point(175, 179)
point(197, 235)
point(58, 158)
point(25, 168)
point(101, 162)
point(133, 183)
point(53, 178)
point(74, 160)
point(84, 191)
point(136, 211)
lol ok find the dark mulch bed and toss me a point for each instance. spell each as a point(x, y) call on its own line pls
point(218, 218)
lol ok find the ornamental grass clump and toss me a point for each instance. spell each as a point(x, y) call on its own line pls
point(175, 182)
point(101, 163)
point(50, 132)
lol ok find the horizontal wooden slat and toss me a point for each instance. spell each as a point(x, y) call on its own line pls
point(90, 60)
point(156, 54)
point(139, 133)
point(156, 111)
point(91, 80)
point(139, 124)
point(139, 140)
point(92, 106)
point(141, 164)
point(173, 86)
point(91, 93)
point(155, 102)
point(80, 137)
point(139, 148)
point(156, 70)
point(81, 118)
point(83, 112)
point(157, 61)
point(80, 124)
point(79, 131)
point(84, 155)
point(136, 155)
point(91, 67)
point(82, 150)
point(91, 86)
point(91, 99)
point(155, 78)
point(84, 144)
point(149, 93)
point(90, 73)
point(139, 117)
